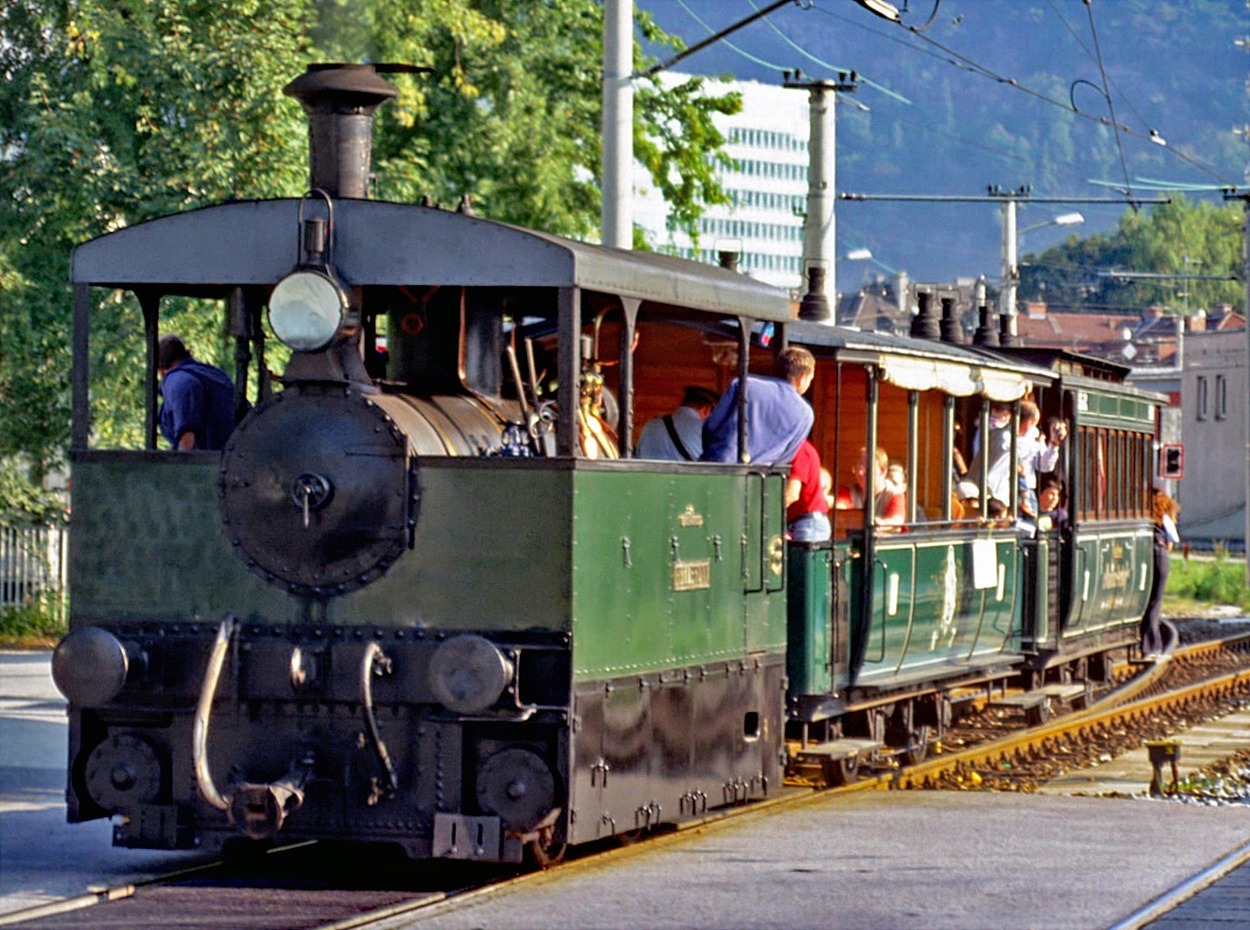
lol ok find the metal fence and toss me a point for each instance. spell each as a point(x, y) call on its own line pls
point(32, 567)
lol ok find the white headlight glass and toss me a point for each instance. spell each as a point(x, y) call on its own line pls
point(306, 310)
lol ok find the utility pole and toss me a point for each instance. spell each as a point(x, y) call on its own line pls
point(820, 223)
point(618, 124)
point(1010, 264)
point(1244, 197)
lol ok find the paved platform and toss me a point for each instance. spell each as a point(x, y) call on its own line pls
point(885, 859)
point(871, 859)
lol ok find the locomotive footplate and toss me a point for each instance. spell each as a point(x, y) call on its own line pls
point(983, 668)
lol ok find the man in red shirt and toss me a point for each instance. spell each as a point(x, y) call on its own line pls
point(807, 507)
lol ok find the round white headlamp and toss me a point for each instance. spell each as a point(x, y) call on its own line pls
point(308, 309)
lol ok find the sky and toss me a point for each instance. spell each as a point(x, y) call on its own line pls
point(1056, 52)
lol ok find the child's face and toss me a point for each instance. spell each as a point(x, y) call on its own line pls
point(1049, 498)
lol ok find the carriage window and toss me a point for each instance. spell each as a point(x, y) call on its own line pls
point(1095, 466)
point(1115, 454)
point(1221, 397)
point(1202, 397)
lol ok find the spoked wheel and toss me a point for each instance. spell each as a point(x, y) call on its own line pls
point(840, 772)
point(544, 855)
point(918, 745)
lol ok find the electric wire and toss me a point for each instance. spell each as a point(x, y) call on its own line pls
point(962, 62)
point(824, 64)
point(1076, 37)
point(918, 124)
point(1106, 92)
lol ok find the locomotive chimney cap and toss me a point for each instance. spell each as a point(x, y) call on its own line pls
point(349, 84)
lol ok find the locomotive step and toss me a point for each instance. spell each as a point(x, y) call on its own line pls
point(839, 749)
point(1069, 694)
point(995, 666)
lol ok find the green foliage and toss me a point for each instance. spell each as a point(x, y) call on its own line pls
point(23, 502)
point(1211, 581)
point(1179, 237)
point(115, 112)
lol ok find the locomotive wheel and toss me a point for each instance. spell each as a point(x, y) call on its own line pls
point(839, 772)
point(544, 855)
point(918, 745)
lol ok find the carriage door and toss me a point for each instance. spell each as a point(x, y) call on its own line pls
point(763, 567)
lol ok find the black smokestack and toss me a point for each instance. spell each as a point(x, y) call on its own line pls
point(952, 330)
point(986, 334)
point(925, 324)
point(340, 100)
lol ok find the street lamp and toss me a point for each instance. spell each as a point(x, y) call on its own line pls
point(1011, 263)
point(1063, 219)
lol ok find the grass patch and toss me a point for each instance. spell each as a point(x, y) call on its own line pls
point(1215, 581)
point(38, 624)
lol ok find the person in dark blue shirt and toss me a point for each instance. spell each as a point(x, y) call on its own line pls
point(198, 407)
point(778, 418)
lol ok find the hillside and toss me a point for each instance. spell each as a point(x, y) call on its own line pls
point(944, 120)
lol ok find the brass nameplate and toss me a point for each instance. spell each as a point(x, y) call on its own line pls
point(692, 576)
point(689, 517)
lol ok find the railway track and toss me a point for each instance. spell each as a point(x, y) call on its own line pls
point(307, 887)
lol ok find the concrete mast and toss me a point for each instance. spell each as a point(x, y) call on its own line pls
point(819, 226)
point(618, 124)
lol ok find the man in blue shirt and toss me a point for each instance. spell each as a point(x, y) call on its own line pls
point(778, 418)
point(198, 408)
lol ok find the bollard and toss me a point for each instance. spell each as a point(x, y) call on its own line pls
point(1161, 752)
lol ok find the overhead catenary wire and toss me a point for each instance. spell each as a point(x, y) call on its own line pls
point(963, 62)
point(1106, 92)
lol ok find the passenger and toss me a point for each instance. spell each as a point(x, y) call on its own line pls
point(1035, 453)
point(889, 507)
point(996, 513)
point(678, 436)
point(997, 477)
point(1056, 430)
point(826, 486)
point(778, 419)
point(197, 411)
point(1165, 537)
point(959, 469)
point(807, 507)
point(1052, 515)
point(896, 478)
point(965, 501)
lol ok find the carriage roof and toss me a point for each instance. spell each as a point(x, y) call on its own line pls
point(206, 251)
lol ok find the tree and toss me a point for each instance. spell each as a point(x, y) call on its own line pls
point(116, 111)
point(1175, 238)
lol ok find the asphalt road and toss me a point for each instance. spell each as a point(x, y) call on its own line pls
point(42, 858)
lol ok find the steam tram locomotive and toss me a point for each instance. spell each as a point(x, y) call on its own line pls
point(442, 605)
